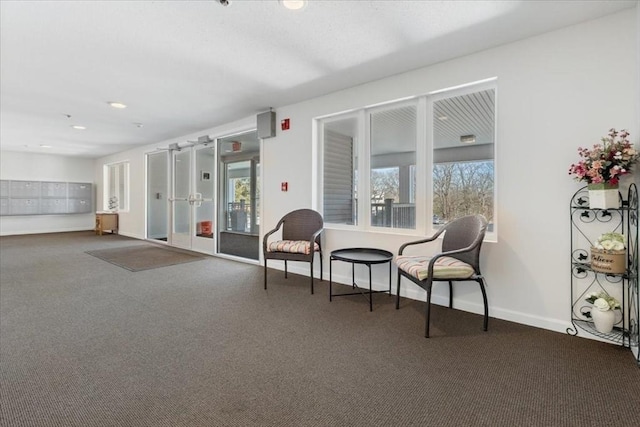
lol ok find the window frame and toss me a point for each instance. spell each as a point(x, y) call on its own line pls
point(424, 165)
point(358, 116)
point(368, 112)
point(432, 98)
point(108, 169)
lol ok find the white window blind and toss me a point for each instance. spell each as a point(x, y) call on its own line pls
point(339, 201)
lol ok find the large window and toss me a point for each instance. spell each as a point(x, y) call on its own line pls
point(340, 169)
point(392, 139)
point(116, 186)
point(463, 154)
point(421, 162)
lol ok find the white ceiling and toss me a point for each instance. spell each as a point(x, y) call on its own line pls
point(186, 66)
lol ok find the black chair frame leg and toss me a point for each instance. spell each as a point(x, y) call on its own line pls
point(398, 291)
point(265, 273)
point(311, 274)
point(486, 305)
point(428, 309)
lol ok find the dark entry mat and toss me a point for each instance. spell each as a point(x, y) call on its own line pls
point(147, 257)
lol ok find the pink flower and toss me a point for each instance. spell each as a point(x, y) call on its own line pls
point(607, 161)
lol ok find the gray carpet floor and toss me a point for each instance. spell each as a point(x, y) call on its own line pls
point(86, 343)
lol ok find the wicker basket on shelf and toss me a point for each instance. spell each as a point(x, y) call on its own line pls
point(608, 261)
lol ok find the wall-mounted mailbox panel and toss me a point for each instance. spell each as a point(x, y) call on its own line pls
point(53, 206)
point(4, 188)
point(25, 189)
point(45, 198)
point(79, 190)
point(25, 206)
point(53, 189)
point(79, 206)
point(4, 206)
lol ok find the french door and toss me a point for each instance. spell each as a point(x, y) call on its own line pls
point(193, 203)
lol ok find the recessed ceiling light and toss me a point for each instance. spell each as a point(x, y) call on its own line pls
point(117, 105)
point(294, 4)
point(138, 125)
point(468, 139)
point(45, 146)
point(78, 127)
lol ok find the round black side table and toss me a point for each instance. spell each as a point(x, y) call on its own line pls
point(366, 256)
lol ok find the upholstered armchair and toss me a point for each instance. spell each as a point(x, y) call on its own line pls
point(459, 260)
point(301, 230)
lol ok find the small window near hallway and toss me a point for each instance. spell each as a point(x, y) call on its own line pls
point(116, 187)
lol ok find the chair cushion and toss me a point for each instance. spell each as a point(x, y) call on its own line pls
point(292, 246)
point(444, 267)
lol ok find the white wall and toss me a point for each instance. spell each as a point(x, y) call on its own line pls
point(43, 167)
point(556, 92)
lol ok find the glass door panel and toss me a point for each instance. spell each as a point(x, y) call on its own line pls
point(181, 227)
point(203, 198)
point(193, 205)
point(238, 196)
point(157, 193)
point(238, 207)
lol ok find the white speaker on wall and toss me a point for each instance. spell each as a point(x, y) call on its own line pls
point(266, 123)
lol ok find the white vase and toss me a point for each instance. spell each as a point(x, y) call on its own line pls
point(603, 320)
point(603, 196)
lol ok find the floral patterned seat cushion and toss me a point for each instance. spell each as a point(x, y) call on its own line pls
point(292, 246)
point(444, 267)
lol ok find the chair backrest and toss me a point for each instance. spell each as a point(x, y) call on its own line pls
point(462, 232)
point(301, 224)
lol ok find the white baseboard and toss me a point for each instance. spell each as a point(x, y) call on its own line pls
point(133, 236)
point(415, 293)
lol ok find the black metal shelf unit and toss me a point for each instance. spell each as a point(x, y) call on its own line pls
point(586, 226)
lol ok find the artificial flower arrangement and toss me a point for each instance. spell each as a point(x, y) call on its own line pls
point(610, 242)
point(608, 254)
point(605, 163)
point(113, 203)
point(603, 301)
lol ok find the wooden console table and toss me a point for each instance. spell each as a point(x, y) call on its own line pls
point(106, 221)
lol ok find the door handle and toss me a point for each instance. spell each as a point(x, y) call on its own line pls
point(195, 199)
